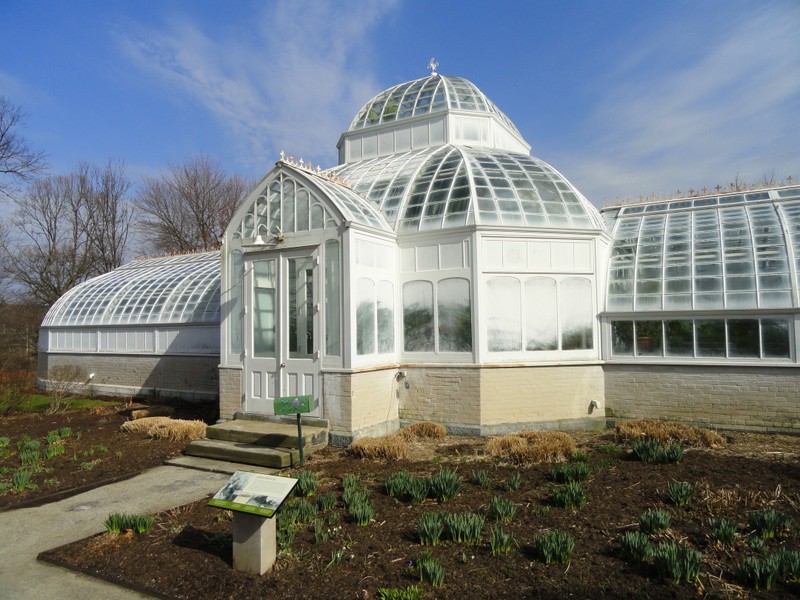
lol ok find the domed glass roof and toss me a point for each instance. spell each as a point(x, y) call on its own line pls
point(173, 289)
point(452, 186)
point(426, 96)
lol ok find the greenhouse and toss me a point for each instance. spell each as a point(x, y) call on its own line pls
point(150, 327)
point(440, 272)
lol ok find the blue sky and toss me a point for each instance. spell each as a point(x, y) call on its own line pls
point(623, 97)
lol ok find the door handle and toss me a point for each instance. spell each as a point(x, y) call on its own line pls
point(283, 365)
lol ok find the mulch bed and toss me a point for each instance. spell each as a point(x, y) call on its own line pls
point(188, 552)
point(96, 452)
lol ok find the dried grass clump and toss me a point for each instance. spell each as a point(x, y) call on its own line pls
point(153, 411)
point(527, 447)
point(162, 428)
point(390, 447)
point(668, 432)
point(423, 430)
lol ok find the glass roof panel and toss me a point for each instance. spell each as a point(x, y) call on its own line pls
point(426, 96)
point(450, 186)
point(174, 289)
point(732, 253)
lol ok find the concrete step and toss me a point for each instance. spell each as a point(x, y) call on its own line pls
point(288, 419)
point(213, 465)
point(249, 454)
point(274, 435)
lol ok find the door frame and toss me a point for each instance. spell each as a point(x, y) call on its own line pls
point(283, 374)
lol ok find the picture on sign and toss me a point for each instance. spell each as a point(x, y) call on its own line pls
point(253, 493)
point(288, 405)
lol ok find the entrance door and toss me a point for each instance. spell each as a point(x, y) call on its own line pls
point(282, 329)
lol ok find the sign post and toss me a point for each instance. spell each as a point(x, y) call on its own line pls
point(287, 405)
point(254, 499)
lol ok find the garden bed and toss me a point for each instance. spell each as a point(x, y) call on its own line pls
point(95, 451)
point(188, 554)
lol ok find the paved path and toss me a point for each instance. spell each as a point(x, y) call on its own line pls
point(26, 532)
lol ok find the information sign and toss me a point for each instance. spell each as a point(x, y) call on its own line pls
point(253, 493)
point(289, 405)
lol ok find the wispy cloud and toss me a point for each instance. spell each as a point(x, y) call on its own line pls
point(291, 80)
point(722, 106)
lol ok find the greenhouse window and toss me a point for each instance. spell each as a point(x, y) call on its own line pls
point(739, 338)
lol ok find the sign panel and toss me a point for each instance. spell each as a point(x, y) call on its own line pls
point(253, 493)
point(289, 405)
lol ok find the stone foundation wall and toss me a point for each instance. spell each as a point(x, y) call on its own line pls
point(230, 392)
point(446, 395)
point(746, 398)
point(541, 397)
point(493, 400)
point(360, 404)
point(186, 377)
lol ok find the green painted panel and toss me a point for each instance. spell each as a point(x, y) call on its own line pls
point(289, 405)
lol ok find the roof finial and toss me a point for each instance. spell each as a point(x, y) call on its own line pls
point(432, 65)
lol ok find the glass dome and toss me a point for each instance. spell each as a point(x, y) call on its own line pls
point(733, 251)
point(452, 186)
point(426, 96)
point(174, 289)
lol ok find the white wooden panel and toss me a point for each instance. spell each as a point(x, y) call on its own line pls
point(291, 384)
point(383, 257)
point(539, 256)
point(370, 146)
point(493, 255)
point(354, 147)
point(365, 253)
point(515, 256)
point(385, 143)
point(408, 260)
point(428, 258)
point(419, 136)
point(258, 378)
point(402, 139)
point(437, 131)
point(583, 257)
point(562, 258)
point(452, 255)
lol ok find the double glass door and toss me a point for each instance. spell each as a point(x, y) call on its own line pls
point(282, 329)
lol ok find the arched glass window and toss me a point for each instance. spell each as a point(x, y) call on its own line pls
point(287, 213)
point(302, 210)
point(385, 317)
point(274, 206)
point(365, 316)
point(504, 315)
point(577, 316)
point(418, 316)
point(455, 315)
point(541, 314)
point(333, 305)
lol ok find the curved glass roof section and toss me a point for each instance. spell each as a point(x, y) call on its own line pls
point(173, 289)
point(286, 204)
point(426, 96)
point(452, 186)
point(733, 251)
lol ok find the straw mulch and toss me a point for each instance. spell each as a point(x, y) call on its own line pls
point(161, 428)
point(668, 432)
point(528, 447)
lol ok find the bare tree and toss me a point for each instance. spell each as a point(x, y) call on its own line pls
point(18, 162)
point(189, 207)
point(109, 216)
point(62, 231)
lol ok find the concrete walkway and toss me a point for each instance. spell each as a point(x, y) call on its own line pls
point(26, 532)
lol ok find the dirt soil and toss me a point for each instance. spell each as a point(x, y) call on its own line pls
point(188, 553)
point(96, 452)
